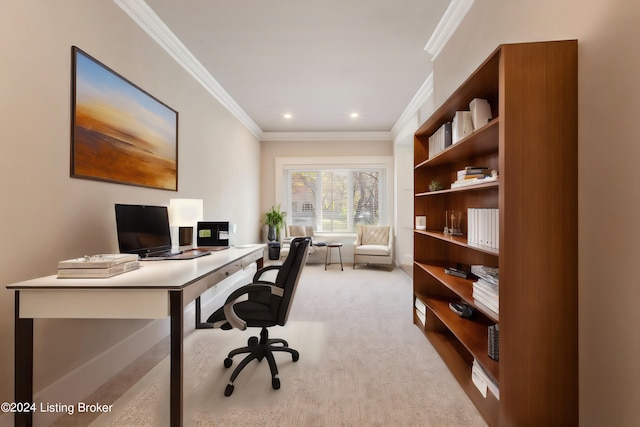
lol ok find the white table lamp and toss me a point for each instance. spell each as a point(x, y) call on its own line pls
point(185, 214)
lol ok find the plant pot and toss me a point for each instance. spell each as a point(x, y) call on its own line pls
point(271, 235)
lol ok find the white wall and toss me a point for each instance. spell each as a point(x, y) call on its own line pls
point(47, 216)
point(609, 205)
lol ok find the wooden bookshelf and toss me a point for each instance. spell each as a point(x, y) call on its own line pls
point(532, 143)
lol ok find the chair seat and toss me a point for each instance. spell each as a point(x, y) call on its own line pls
point(260, 315)
point(381, 250)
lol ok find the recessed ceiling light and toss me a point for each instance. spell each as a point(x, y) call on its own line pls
point(354, 115)
point(287, 116)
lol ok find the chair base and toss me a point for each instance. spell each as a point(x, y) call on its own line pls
point(259, 350)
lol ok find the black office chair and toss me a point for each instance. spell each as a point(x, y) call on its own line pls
point(268, 304)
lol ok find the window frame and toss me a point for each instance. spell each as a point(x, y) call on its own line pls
point(385, 163)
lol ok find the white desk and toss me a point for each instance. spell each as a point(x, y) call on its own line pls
point(157, 290)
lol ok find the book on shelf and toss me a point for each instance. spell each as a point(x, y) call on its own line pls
point(483, 227)
point(98, 272)
point(493, 342)
point(487, 299)
point(483, 381)
point(440, 140)
point(461, 126)
point(471, 172)
point(488, 274)
point(480, 112)
point(485, 290)
point(486, 286)
point(473, 181)
point(486, 309)
point(421, 311)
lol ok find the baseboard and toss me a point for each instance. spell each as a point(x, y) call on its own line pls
point(407, 269)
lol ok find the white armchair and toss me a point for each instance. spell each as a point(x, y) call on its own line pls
point(373, 245)
point(316, 253)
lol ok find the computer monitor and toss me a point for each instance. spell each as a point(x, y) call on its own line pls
point(143, 230)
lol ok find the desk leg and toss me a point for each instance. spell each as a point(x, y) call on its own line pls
point(177, 357)
point(23, 381)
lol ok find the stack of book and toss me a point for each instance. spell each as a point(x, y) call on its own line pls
point(486, 289)
point(483, 381)
point(97, 266)
point(440, 140)
point(473, 175)
point(483, 227)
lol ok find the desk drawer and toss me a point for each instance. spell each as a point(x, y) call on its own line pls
point(251, 258)
point(226, 271)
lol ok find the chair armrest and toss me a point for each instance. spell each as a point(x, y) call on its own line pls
point(230, 314)
point(256, 277)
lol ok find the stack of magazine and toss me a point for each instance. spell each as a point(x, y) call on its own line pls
point(486, 288)
point(97, 266)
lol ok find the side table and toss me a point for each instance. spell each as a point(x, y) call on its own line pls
point(327, 260)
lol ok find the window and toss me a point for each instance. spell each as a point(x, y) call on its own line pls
point(334, 198)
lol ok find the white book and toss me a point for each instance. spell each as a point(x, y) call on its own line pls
point(98, 273)
point(97, 261)
point(486, 285)
point(422, 317)
point(462, 126)
point(483, 381)
point(420, 306)
point(480, 112)
point(490, 299)
point(473, 226)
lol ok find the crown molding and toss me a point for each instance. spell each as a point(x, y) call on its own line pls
point(147, 19)
point(418, 100)
point(326, 136)
point(450, 21)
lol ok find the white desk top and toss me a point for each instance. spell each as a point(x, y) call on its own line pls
point(167, 274)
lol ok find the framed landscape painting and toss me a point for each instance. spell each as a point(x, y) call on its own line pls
point(119, 132)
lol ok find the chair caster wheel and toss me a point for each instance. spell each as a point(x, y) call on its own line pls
point(228, 362)
point(275, 383)
point(295, 357)
point(253, 341)
point(228, 390)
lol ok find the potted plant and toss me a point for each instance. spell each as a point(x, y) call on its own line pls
point(274, 219)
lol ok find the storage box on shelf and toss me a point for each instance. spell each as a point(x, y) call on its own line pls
point(532, 144)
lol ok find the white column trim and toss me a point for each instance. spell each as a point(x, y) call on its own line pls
point(449, 23)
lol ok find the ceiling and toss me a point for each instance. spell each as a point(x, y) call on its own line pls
point(319, 61)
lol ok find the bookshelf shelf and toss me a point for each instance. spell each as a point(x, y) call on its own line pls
point(457, 240)
point(462, 287)
point(474, 187)
point(482, 141)
point(532, 91)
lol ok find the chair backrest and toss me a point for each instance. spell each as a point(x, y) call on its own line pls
point(374, 235)
point(300, 231)
point(289, 275)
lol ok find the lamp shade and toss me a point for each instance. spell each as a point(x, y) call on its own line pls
point(185, 212)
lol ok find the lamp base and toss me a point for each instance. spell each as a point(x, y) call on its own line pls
point(185, 236)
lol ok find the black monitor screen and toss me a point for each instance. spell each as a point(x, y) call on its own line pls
point(142, 229)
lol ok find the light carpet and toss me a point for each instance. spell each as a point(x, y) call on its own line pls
point(362, 363)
